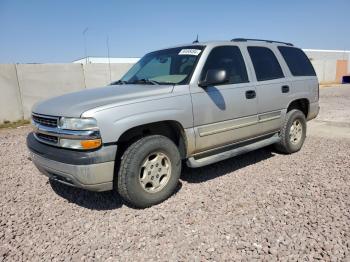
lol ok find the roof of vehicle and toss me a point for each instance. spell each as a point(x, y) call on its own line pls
point(261, 42)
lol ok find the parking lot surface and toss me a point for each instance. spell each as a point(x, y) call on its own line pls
point(262, 205)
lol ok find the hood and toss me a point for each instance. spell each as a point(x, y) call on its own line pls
point(74, 104)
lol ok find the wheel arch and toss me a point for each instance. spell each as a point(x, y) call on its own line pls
point(301, 104)
point(169, 128)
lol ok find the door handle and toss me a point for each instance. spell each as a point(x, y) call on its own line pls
point(250, 94)
point(285, 89)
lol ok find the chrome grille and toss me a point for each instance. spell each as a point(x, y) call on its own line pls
point(45, 121)
point(46, 130)
point(47, 138)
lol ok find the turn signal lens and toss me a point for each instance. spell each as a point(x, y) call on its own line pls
point(90, 144)
point(81, 144)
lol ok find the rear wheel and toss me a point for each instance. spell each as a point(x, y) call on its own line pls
point(149, 171)
point(293, 132)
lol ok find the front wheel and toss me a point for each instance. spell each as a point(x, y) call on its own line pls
point(149, 171)
point(293, 132)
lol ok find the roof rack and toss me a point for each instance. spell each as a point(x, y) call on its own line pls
point(263, 40)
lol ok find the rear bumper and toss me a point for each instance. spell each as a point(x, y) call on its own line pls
point(89, 170)
point(314, 108)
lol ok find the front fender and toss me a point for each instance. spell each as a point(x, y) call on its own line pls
point(113, 122)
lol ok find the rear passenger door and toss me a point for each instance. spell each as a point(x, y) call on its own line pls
point(271, 87)
point(224, 113)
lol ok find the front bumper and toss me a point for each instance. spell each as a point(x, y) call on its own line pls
point(93, 170)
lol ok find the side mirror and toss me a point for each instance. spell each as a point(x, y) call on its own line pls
point(214, 77)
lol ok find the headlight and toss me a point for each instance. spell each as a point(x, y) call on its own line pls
point(83, 125)
point(78, 123)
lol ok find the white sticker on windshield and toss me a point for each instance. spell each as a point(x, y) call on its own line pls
point(190, 52)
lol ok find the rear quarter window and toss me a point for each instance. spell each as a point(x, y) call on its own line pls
point(265, 63)
point(298, 63)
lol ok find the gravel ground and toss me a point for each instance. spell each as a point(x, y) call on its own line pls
point(259, 206)
point(334, 104)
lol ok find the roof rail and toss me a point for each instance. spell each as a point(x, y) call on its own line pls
point(263, 40)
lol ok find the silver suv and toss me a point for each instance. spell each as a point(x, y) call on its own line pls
point(202, 103)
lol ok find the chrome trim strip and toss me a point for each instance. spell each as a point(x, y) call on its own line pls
point(68, 134)
point(237, 123)
point(228, 125)
point(45, 141)
point(45, 116)
point(269, 119)
point(234, 143)
point(269, 116)
point(225, 129)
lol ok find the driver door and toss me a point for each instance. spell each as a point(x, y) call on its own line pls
point(225, 113)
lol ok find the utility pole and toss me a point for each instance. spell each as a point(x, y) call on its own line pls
point(85, 44)
point(109, 59)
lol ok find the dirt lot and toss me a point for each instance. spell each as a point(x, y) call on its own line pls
point(262, 205)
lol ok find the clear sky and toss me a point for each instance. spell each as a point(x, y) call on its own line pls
point(41, 31)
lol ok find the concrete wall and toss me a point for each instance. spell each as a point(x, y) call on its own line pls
point(42, 81)
point(97, 75)
point(22, 85)
point(325, 70)
point(118, 70)
point(330, 65)
point(10, 99)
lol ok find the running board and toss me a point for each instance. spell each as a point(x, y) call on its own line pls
point(192, 162)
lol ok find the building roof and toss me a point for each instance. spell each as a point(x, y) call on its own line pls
point(106, 60)
point(327, 51)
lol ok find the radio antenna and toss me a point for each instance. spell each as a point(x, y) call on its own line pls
point(195, 41)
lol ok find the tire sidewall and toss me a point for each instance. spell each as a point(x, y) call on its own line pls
point(292, 116)
point(135, 190)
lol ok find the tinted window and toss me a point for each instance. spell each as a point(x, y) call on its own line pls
point(265, 63)
point(297, 61)
point(227, 58)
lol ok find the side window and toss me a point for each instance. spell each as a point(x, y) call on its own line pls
point(228, 58)
point(265, 63)
point(297, 61)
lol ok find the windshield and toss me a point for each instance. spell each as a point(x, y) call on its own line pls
point(169, 66)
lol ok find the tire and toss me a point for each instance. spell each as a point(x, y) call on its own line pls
point(289, 143)
point(149, 171)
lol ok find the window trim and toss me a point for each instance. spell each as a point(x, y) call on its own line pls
point(272, 51)
point(188, 79)
point(245, 65)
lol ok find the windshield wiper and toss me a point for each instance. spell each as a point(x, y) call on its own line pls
point(145, 81)
point(119, 82)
